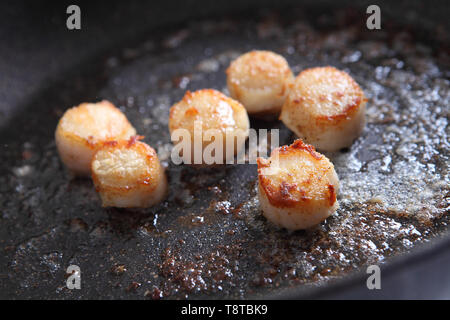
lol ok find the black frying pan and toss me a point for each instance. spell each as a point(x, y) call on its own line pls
point(209, 238)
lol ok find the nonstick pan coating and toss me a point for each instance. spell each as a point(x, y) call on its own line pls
point(209, 239)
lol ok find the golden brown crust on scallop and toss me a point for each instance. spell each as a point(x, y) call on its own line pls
point(326, 107)
point(332, 88)
point(213, 108)
point(127, 173)
point(83, 128)
point(300, 145)
point(260, 80)
point(205, 113)
point(267, 66)
point(112, 125)
point(332, 195)
point(301, 180)
point(122, 180)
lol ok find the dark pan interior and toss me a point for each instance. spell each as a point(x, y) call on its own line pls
point(209, 239)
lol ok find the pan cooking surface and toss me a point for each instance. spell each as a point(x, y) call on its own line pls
point(209, 239)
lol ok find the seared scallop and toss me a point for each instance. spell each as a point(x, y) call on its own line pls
point(326, 108)
point(260, 81)
point(127, 173)
point(297, 186)
point(83, 128)
point(211, 126)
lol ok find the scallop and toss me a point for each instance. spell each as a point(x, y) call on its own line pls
point(127, 174)
point(212, 127)
point(260, 81)
point(326, 108)
point(297, 186)
point(83, 128)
